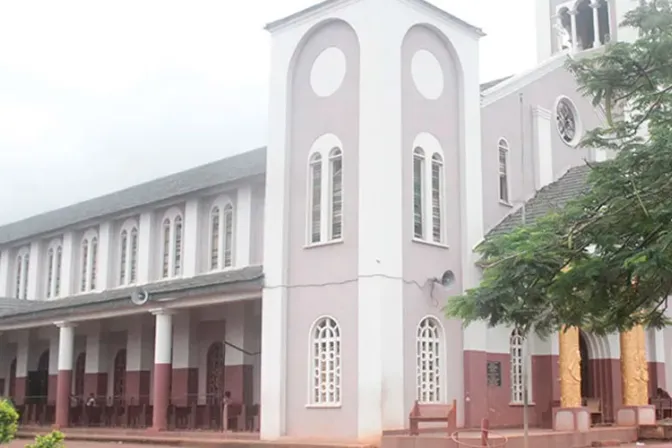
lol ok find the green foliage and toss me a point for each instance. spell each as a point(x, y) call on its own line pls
point(52, 440)
point(604, 262)
point(8, 421)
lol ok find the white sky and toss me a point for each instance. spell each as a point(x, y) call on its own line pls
point(99, 95)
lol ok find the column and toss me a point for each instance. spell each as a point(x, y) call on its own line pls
point(66, 342)
point(571, 416)
point(68, 264)
point(192, 230)
point(243, 226)
point(635, 380)
point(543, 143)
point(146, 256)
point(105, 241)
point(162, 367)
point(34, 276)
point(575, 38)
point(184, 391)
point(595, 4)
point(138, 361)
point(95, 369)
point(53, 366)
point(22, 353)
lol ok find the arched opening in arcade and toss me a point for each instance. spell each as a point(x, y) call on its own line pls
point(596, 377)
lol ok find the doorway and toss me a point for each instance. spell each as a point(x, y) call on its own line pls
point(38, 381)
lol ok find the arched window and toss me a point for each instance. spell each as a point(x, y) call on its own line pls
point(134, 256)
point(85, 264)
point(50, 271)
point(325, 363)
point(418, 192)
point(59, 266)
point(94, 263)
point(165, 270)
point(315, 199)
point(22, 269)
point(214, 238)
point(429, 361)
point(503, 152)
point(437, 198)
point(119, 377)
point(177, 247)
point(215, 373)
point(52, 283)
point(516, 342)
point(228, 235)
point(336, 193)
point(123, 256)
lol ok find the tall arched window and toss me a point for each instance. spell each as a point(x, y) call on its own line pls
point(418, 193)
point(228, 235)
point(429, 361)
point(85, 264)
point(59, 267)
point(52, 283)
point(22, 269)
point(215, 220)
point(336, 193)
point(503, 152)
point(177, 247)
point(50, 271)
point(325, 363)
point(221, 234)
point(315, 199)
point(516, 342)
point(123, 256)
point(94, 263)
point(172, 237)
point(128, 252)
point(437, 203)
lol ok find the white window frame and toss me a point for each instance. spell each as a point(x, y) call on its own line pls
point(430, 146)
point(325, 146)
point(91, 237)
point(313, 401)
point(171, 215)
point(51, 291)
point(577, 120)
point(439, 340)
point(129, 226)
point(225, 205)
point(518, 342)
point(503, 145)
point(21, 281)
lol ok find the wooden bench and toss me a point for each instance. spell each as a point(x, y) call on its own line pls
point(433, 413)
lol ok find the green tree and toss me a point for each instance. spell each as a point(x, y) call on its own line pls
point(8, 421)
point(603, 262)
point(55, 439)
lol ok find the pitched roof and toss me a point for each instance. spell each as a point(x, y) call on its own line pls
point(14, 311)
point(554, 196)
point(230, 169)
point(486, 85)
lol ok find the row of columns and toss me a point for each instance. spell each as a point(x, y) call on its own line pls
point(634, 368)
point(162, 369)
point(573, 12)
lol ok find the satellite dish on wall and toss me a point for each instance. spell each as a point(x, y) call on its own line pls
point(447, 279)
point(139, 297)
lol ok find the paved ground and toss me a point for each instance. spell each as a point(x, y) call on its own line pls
point(77, 444)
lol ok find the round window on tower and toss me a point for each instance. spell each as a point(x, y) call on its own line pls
point(567, 120)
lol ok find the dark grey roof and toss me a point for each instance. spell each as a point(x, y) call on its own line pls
point(276, 23)
point(552, 197)
point(119, 298)
point(232, 168)
point(486, 85)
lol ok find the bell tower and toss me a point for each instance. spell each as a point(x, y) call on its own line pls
point(579, 25)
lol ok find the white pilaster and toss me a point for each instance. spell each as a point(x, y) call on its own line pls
point(68, 264)
point(66, 345)
point(243, 226)
point(543, 146)
point(53, 352)
point(274, 300)
point(595, 4)
point(146, 255)
point(96, 359)
point(22, 353)
point(544, 30)
point(35, 272)
point(185, 351)
point(5, 278)
point(575, 38)
point(163, 341)
point(192, 230)
point(139, 347)
point(106, 239)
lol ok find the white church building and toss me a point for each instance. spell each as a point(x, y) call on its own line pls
point(303, 280)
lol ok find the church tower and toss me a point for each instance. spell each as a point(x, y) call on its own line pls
point(578, 25)
point(373, 191)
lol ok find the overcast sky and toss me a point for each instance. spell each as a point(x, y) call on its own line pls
point(97, 95)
